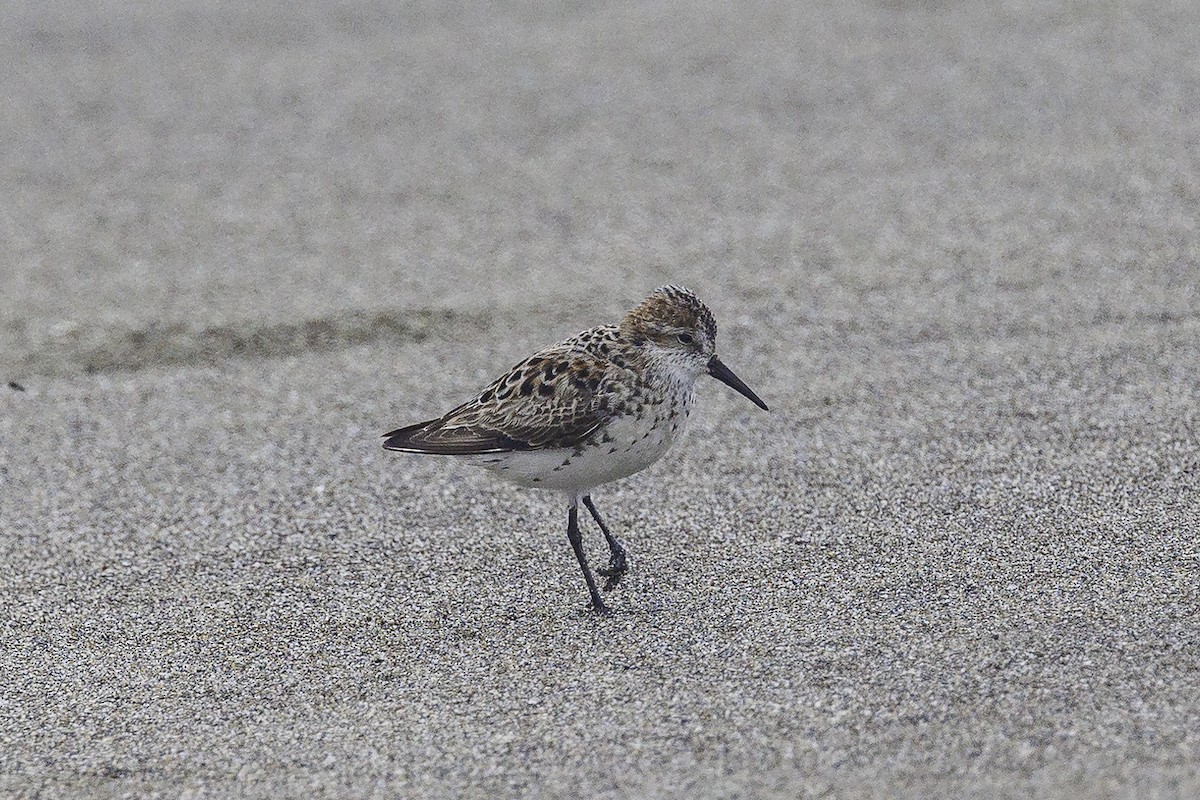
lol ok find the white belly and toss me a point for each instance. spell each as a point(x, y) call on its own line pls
point(632, 446)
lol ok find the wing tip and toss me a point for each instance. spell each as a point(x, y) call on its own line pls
point(410, 439)
point(403, 438)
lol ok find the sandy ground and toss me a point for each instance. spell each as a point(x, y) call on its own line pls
point(954, 248)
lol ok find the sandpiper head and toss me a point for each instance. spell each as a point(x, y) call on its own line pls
point(679, 331)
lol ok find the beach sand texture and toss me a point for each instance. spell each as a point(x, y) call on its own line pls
point(954, 249)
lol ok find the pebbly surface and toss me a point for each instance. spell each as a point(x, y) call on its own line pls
point(954, 249)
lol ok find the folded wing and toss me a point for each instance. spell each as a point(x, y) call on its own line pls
point(556, 398)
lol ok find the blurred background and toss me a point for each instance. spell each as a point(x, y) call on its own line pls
point(184, 176)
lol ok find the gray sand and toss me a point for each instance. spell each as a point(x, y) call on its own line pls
point(956, 250)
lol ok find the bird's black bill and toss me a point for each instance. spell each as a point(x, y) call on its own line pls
point(725, 375)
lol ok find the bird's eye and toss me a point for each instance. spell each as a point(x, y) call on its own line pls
point(685, 338)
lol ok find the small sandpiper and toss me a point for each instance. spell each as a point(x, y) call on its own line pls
point(589, 410)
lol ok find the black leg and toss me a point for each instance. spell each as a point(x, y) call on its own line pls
point(577, 544)
point(617, 564)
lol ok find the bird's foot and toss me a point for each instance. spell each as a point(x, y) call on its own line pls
point(612, 579)
point(616, 569)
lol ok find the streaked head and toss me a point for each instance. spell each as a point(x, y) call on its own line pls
point(679, 330)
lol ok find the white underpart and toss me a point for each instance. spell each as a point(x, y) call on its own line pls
point(636, 443)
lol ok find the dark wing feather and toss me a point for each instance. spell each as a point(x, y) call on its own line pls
point(554, 399)
point(432, 437)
